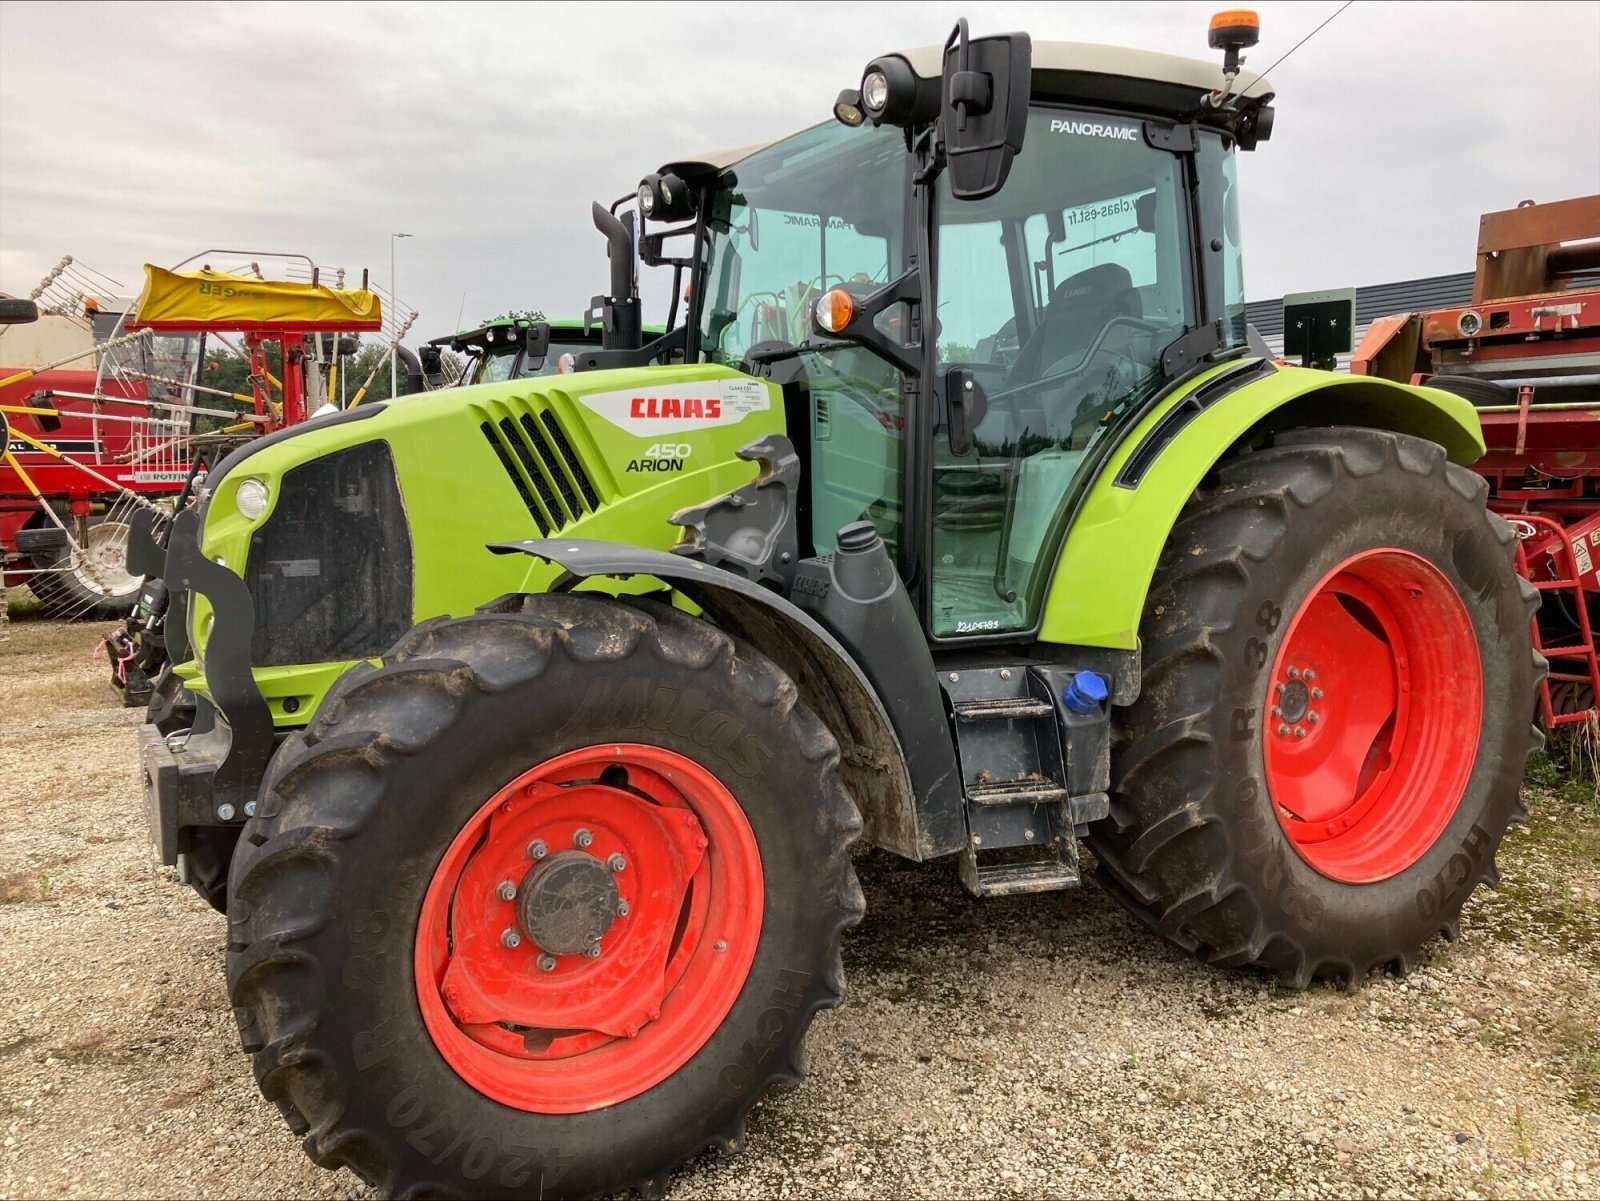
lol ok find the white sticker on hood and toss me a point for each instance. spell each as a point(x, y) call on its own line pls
point(676, 408)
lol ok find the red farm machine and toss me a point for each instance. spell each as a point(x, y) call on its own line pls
point(102, 408)
point(1526, 352)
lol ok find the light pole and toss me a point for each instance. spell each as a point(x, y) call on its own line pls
point(394, 387)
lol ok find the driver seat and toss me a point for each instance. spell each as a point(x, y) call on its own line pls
point(1080, 307)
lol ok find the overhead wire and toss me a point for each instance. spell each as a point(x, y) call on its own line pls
point(1297, 45)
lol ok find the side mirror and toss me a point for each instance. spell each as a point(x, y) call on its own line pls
point(984, 108)
point(432, 365)
point(536, 339)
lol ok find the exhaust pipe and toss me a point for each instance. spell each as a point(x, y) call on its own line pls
point(413, 366)
point(620, 323)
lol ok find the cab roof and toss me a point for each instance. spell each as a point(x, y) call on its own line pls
point(1091, 58)
point(1083, 71)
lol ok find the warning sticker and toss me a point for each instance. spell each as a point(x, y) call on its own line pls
point(1580, 552)
point(679, 408)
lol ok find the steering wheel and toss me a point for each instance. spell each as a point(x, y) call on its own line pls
point(1135, 323)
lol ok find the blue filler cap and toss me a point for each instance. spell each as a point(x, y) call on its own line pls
point(1085, 693)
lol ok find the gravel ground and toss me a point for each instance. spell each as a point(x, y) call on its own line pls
point(1021, 1047)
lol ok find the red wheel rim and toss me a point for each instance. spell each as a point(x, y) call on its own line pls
point(634, 838)
point(1374, 707)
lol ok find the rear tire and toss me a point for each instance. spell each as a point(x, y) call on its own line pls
point(380, 1015)
point(67, 586)
point(1481, 392)
point(1229, 833)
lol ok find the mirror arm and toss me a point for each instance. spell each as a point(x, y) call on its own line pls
point(862, 328)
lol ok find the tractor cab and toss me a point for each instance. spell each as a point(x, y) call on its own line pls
point(983, 291)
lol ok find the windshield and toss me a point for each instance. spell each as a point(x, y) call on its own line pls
point(493, 367)
point(1058, 294)
point(504, 363)
point(822, 209)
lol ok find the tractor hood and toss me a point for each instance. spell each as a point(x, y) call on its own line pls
point(350, 529)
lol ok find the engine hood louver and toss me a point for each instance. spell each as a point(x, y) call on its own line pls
point(539, 459)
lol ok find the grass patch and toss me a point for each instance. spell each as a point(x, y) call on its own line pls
point(23, 605)
point(1569, 766)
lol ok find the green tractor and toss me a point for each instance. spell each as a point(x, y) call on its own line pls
point(957, 517)
point(510, 348)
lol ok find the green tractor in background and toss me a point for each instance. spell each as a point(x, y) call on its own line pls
point(957, 516)
point(512, 347)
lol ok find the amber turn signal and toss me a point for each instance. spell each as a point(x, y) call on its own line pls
point(834, 310)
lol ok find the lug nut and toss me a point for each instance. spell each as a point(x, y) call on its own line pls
point(506, 891)
point(547, 963)
point(582, 838)
point(616, 863)
point(1282, 731)
point(1310, 675)
point(593, 952)
point(1313, 716)
point(1279, 688)
point(719, 945)
point(1299, 731)
point(1276, 711)
point(537, 849)
point(1316, 694)
point(510, 938)
point(622, 909)
point(1294, 673)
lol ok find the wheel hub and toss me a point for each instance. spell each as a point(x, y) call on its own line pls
point(1376, 698)
point(1295, 700)
point(567, 902)
point(628, 844)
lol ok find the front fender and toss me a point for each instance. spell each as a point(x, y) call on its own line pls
point(885, 781)
point(1097, 591)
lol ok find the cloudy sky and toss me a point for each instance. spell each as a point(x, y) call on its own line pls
point(135, 132)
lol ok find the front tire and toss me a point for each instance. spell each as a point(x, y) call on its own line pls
point(1333, 725)
point(544, 904)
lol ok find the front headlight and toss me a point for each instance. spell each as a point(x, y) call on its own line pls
point(875, 92)
point(252, 497)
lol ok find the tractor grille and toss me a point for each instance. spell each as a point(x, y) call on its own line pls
point(330, 570)
point(539, 459)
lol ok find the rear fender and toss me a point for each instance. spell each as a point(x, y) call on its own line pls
point(1098, 589)
point(873, 763)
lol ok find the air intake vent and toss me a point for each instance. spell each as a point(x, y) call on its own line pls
point(540, 443)
point(541, 462)
point(573, 463)
point(506, 461)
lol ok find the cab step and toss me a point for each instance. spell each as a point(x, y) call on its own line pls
point(1017, 792)
point(1003, 709)
point(1022, 817)
point(1009, 879)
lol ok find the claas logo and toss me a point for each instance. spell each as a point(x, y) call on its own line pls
point(676, 406)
